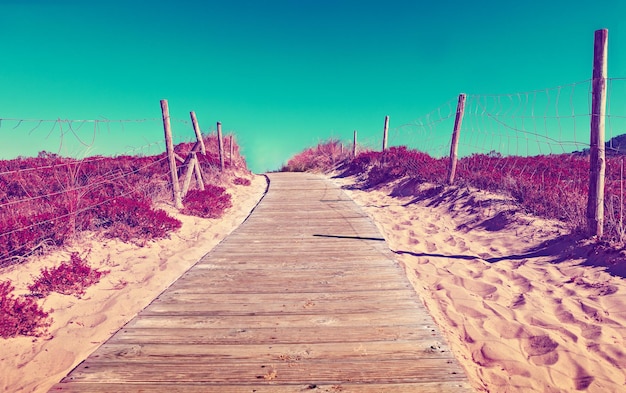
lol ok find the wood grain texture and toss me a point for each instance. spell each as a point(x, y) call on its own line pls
point(304, 296)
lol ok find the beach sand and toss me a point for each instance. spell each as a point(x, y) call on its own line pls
point(523, 306)
point(137, 276)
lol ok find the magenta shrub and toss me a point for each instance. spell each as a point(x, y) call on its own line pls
point(69, 278)
point(324, 157)
point(128, 219)
point(240, 181)
point(210, 203)
point(20, 315)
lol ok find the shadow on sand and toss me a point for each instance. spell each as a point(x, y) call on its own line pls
point(561, 249)
point(558, 250)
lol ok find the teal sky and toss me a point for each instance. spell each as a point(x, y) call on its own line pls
point(281, 75)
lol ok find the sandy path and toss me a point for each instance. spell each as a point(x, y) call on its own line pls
point(517, 320)
point(138, 275)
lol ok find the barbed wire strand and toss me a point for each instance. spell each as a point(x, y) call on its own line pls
point(106, 180)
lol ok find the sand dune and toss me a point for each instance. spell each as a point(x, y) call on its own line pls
point(521, 308)
point(137, 275)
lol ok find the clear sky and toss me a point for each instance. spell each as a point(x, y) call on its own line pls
point(282, 75)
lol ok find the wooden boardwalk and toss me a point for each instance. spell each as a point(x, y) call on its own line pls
point(304, 296)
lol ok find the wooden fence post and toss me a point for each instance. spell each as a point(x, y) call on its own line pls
point(454, 146)
point(198, 173)
point(169, 147)
point(354, 148)
point(196, 128)
point(220, 145)
point(595, 203)
point(231, 148)
point(385, 131)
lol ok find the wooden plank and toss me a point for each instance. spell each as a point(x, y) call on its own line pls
point(380, 371)
point(279, 353)
point(322, 319)
point(295, 263)
point(268, 387)
point(305, 295)
point(243, 334)
point(300, 299)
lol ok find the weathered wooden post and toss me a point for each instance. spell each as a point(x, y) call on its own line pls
point(354, 148)
point(597, 167)
point(196, 128)
point(385, 131)
point(232, 149)
point(454, 146)
point(220, 145)
point(169, 147)
point(198, 172)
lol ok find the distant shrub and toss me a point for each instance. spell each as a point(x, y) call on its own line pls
point(20, 315)
point(69, 278)
point(240, 181)
point(210, 203)
point(324, 157)
point(552, 186)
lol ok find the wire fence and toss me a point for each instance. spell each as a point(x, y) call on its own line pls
point(534, 145)
point(87, 138)
point(69, 172)
point(541, 122)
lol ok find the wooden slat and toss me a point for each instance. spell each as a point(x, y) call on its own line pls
point(266, 386)
point(327, 318)
point(241, 334)
point(278, 353)
point(379, 371)
point(304, 296)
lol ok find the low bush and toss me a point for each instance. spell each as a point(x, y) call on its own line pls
point(324, 157)
point(134, 219)
point(20, 316)
point(210, 203)
point(69, 278)
point(240, 181)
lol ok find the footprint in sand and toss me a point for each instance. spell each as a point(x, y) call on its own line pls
point(591, 332)
point(611, 353)
point(565, 316)
point(588, 331)
point(431, 247)
point(535, 321)
point(593, 313)
point(484, 290)
point(471, 312)
point(432, 229)
point(94, 320)
point(494, 355)
point(450, 241)
point(518, 301)
point(506, 329)
point(522, 283)
point(582, 379)
point(541, 350)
